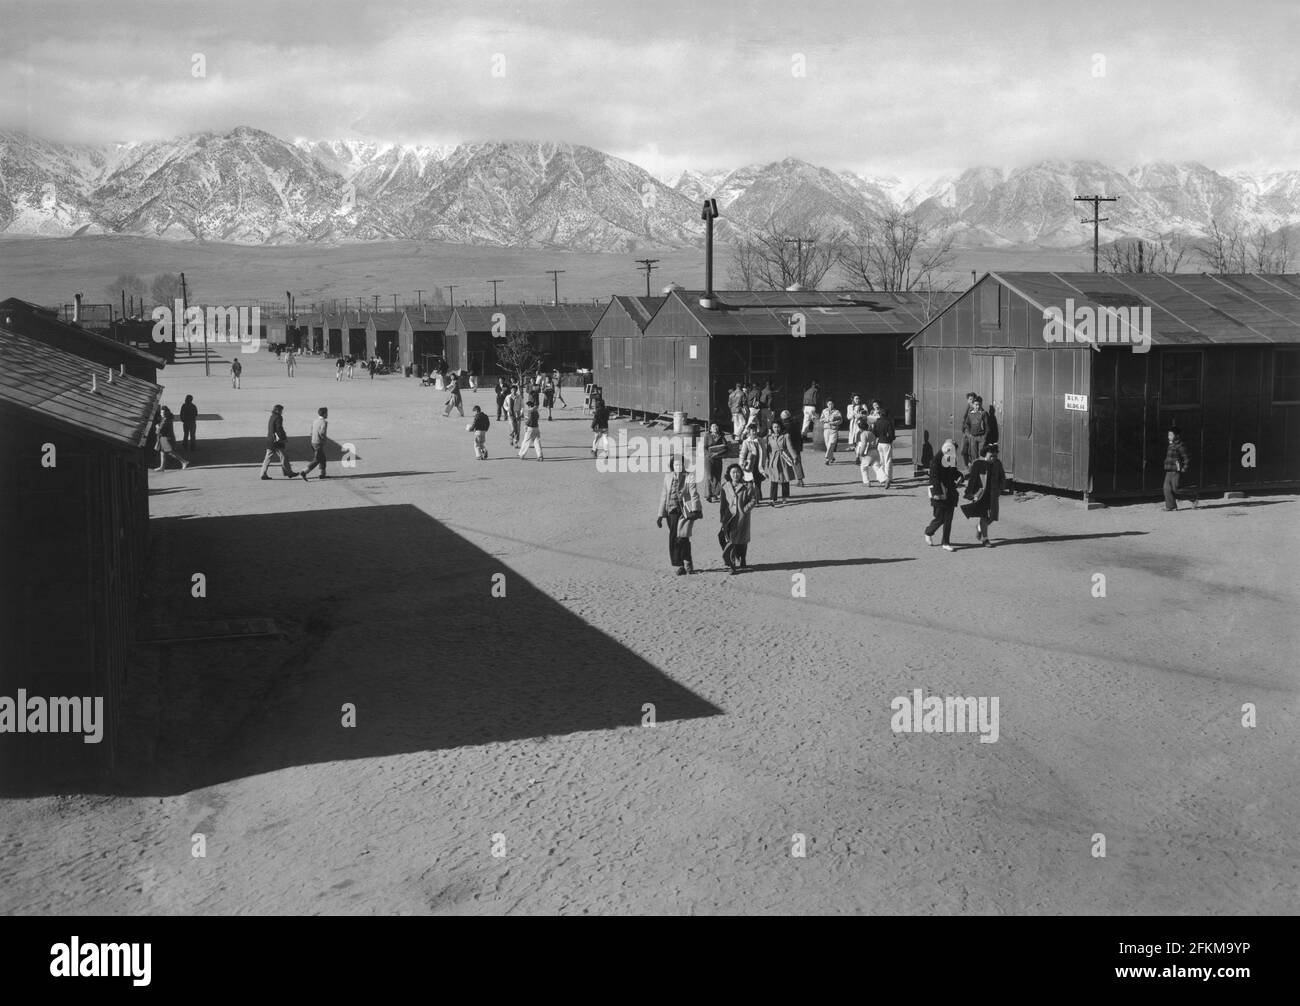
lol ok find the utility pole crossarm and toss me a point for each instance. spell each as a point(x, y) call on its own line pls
point(1096, 221)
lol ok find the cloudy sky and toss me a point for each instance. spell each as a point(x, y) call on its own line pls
point(886, 88)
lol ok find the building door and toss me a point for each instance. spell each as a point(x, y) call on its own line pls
point(1001, 381)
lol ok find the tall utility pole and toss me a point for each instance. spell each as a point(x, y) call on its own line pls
point(451, 294)
point(394, 303)
point(419, 297)
point(494, 283)
point(375, 309)
point(799, 243)
point(649, 264)
point(1096, 221)
point(555, 275)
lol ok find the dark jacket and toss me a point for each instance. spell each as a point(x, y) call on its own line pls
point(977, 423)
point(275, 435)
point(600, 418)
point(946, 478)
point(810, 397)
point(189, 413)
point(883, 428)
point(165, 427)
point(481, 421)
point(1176, 457)
point(533, 417)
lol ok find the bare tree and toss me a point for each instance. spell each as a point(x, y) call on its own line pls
point(166, 289)
point(129, 283)
point(777, 258)
point(1269, 252)
point(1163, 255)
point(518, 357)
point(897, 251)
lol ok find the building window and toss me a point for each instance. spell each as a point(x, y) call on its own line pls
point(991, 305)
point(1180, 379)
point(1286, 375)
point(762, 355)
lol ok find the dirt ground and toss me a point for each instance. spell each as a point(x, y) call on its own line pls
point(516, 724)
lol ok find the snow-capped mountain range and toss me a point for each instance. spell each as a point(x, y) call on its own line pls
point(247, 186)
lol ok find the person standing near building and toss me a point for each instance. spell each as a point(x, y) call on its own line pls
point(558, 380)
point(289, 362)
point(780, 462)
point(679, 502)
point(277, 442)
point(453, 397)
point(167, 439)
point(966, 455)
point(736, 406)
point(883, 428)
point(236, 371)
point(715, 450)
point(984, 484)
point(339, 364)
point(599, 428)
point(796, 446)
point(765, 406)
point(319, 430)
point(945, 476)
point(738, 501)
point(548, 397)
point(977, 426)
point(830, 420)
point(810, 402)
point(371, 367)
point(532, 430)
point(502, 389)
point(189, 423)
point(1177, 463)
point(479, 427)
point(351, 361)
point(866, 450)
point(852, 411)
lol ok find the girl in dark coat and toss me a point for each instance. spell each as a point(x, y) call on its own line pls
point(984, 484)
point(1177, 462)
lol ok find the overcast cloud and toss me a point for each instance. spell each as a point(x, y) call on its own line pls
point(909, 89)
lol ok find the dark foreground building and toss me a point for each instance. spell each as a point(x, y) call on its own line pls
point(74, 501)
point(687, 358)
point(1083, 403)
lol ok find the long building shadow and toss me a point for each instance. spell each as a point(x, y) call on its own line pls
point(383, 608)
point(250, 451)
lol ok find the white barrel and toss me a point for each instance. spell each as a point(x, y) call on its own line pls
point(679, 422)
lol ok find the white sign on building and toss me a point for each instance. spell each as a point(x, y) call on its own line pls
point(1076, 403)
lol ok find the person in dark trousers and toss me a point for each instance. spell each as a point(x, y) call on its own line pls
point(189, 422)
point(319, 429)
point(1177, 463)
point(339, 364)
point(966, 455)
point(502, 390)
point(780, 463)
point(599, 428)
point(236, 371)
point(277, 442)
point(984, 484)
point(479, 427)
point(548, 398)
point(945, 476)
point(679, 502)
point(715, 450)
point(371, 367)
point(167, 439)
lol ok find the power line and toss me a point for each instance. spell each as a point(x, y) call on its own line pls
point(555, 275)
point(649, 264)
point(1096, 221)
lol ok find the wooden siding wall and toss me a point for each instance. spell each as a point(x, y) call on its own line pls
point(72, 579)
point(616, 345)
point(1130, 422)
point(1005, 360)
